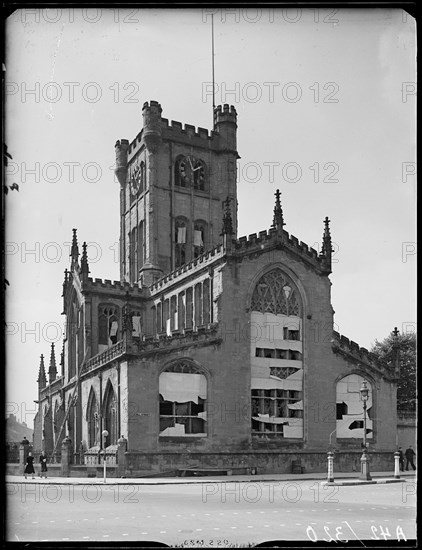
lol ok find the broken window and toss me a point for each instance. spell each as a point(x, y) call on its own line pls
point(272, 409)
point(199, 238)
point(189, 308)
point(281, 354)
point(198, 304)
point(341, 409)
point(181, 311)
point(206, 301)
point(133, 249)
point(268, 353)
point(141, 244)
point(198, 168)
point(350, 421)
point(181, 238)
point(183, 394)
point(289, 334)
point(282, 372)
point(136, 324)
point(182, 172)
point(108, 326)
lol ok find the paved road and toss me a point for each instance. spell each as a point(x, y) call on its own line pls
point(211, 514)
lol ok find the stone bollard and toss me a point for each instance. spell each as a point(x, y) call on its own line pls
point(364, 467)
point(121, 457)
point(66, 457)
point(330, 459)
point(397, 465)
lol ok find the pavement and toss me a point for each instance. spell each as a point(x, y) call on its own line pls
point(340, 478)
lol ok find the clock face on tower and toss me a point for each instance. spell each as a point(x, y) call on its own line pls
point(136, 178)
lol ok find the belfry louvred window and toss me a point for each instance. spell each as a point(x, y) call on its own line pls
point(189, 171)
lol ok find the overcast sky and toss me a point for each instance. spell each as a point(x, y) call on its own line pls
point(326, 112)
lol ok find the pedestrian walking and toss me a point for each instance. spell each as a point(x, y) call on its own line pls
point(43, 462)
point(410, 454)
point(401, 459)
point(29, 467)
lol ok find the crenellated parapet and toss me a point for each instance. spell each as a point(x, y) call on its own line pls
point(204, 260)
point(109, 286)
point(157, 129)
point(354, 353)
point(267, 240)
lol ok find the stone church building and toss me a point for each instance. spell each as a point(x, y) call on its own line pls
point(211, 351)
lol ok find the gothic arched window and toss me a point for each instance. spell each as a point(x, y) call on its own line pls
point(73, 334)
point(189, 171)
point(198, 168)
point(142, 183)
point(180, 241)
point(199, 237)
point(183, 395)
point(182, 172)
point(93, 420)
point(141, 245)
point(276, 357)
point(133, 252)
point(108, 326)
point(110, 415)
point(277, 294)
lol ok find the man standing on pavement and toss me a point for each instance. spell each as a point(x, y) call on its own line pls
point(401, 459)
point(409, 454)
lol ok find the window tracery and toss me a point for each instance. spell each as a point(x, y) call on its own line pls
point(275, 293)
point(108, 325)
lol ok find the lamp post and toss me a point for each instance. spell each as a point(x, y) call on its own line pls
point(105, 435)
point(364, 461)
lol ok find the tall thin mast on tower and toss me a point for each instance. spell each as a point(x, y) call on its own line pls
point(213, 80)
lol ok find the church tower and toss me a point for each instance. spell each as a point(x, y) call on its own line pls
point(173, 182)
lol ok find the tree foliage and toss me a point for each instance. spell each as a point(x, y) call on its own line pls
point(406, 387)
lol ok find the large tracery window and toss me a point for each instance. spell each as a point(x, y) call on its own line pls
point(276, 357)
point(274, 294)
point(183, 394)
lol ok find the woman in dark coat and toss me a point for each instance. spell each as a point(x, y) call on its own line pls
point(29, 467)
point(43, 462)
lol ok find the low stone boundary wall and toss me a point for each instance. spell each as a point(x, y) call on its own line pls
point(171, 463)
point(263, 462)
